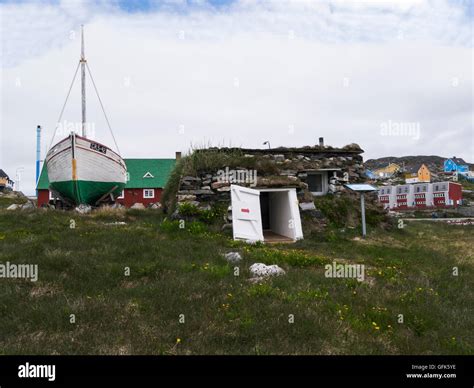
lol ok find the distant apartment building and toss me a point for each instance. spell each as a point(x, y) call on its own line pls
point(420, 195)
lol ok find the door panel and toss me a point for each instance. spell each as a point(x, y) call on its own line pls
point(246, 216)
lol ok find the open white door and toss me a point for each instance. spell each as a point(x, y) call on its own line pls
point(295, 214)
point(246, 215)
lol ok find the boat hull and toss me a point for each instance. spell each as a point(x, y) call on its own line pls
point(83, 171)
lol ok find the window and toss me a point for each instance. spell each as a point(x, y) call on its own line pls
point(122, 195)
point(148, 193)
point(315, 183)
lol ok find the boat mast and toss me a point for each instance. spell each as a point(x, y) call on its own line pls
point(83, 83)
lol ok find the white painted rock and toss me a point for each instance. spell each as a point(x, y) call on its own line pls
point(13, 206)
point(83, 209)
point(304, 206)
point(263, 270)
point(138, 205)
point(233, 257)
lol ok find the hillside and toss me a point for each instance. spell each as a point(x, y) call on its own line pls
point(434, 162)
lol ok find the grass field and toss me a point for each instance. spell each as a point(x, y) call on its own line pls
point(181, 297)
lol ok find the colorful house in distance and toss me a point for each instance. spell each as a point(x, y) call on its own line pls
point(370, 174)
point(5, 181)
point(418, 174)
point(455, 165)
point(146, 179)
point(387, 171)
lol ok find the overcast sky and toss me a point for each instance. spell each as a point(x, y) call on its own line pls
point(394, 77)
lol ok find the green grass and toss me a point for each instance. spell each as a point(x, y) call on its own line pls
point(176, 271)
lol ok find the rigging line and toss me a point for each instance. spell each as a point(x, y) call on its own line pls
point(102, 106)
point(64, 106)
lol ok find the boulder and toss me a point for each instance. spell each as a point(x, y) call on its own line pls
point(138, 205)
point(263, 270)
point(154, 206)
point(233, 257)
point(13, 206)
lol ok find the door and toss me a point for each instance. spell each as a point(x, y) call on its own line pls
point(295, 214)
point(246, 217)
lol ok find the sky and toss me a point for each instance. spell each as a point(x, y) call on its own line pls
point(395, 77)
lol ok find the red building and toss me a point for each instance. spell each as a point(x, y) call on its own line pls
point(146, 179)
point(421, 196)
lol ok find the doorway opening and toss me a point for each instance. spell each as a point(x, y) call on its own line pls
point(270, 215)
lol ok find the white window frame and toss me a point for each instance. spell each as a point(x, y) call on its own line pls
point(324, 183)
point(145, 196)
point(122, 195)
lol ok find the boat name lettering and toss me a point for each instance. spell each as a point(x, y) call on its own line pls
point(98, 147)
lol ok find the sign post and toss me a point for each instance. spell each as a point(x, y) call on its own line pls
point(362, 189)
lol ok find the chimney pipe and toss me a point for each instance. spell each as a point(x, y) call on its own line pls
point(38, 153)
point(178, 155)
point(321, 142)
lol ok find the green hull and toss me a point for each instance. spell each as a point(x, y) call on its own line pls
point(86, 192)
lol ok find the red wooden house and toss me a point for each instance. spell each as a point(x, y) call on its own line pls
point(146, 179)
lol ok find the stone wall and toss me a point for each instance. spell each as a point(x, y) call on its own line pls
point(285, 167)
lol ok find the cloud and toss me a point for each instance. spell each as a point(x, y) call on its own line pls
point(241, 73)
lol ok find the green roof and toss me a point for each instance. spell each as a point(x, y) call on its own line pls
point(142, 173)
point(148, 173)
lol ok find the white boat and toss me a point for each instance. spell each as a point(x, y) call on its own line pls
point(81, 170)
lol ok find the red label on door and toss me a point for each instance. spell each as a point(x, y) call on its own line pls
point(245, 210)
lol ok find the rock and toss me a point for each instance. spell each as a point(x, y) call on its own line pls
point(223, 189)
point(263, 270)
point(13, 206)
point(352, 147)
point(83, 209)
point(154, 206)
point(190, 179)
point(195, 192)
point(288, 172)
point(28, 206)
point(207, 188)
point(279, 158)
point(233, 257)
point(305, 206)
point(138, 205)
point(117, 205)
point(218, 185)
point(186, 197)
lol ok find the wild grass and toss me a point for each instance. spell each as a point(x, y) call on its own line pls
point(179, 274)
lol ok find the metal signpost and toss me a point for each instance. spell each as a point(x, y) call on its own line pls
point(362, 189)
